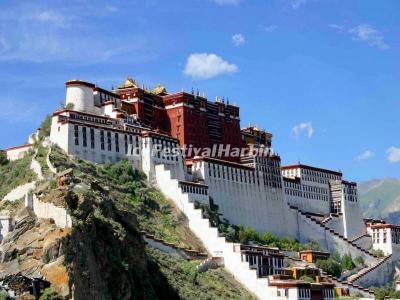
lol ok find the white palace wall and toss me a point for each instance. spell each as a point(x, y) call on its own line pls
point(353, 221)
point(247, 202)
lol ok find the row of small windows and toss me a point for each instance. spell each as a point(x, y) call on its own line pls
point(194, 189)
point(309, 175)
point(229, 173)
point(350, 198)
point(267, 162)
point(306, 195)
point(304, 293)
point(306, 188)
point(167, 149)
point(105, 139)
point(395, 236)
point(91, 119)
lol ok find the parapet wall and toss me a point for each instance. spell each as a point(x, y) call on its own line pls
point(46, 210)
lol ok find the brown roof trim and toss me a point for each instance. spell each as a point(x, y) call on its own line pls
point(314, 252)
point(18, 147)
point(76, 82)
point(294, 180)
point(290, 284)
point(194, 184)
point(301, 166)
point(222, 162)
point(390, 226)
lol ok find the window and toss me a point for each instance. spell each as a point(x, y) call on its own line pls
point(102, 139)
point(109, 141)
point(116, 142)
point(76, 134)
point(126, 143)
point(84, 136)
point(92, 138)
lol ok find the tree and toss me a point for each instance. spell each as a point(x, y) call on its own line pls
point(378, 252)
point(347, 262)
point(3, 158)
point(45, 128)
point(246, 235)
point(330, 266)
point(359, 260)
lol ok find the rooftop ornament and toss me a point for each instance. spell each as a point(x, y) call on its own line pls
point(129, 83)
point(160, 90)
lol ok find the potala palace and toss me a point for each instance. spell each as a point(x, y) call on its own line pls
point(194, 150)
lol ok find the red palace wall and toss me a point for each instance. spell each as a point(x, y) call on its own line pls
point(187, 118)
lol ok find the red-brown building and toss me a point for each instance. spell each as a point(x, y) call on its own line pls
point(192, 119)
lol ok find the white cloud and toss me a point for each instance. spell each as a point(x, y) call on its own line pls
point(227, 2)
point(336, 26)
point(49, 35)
point(366, 155)
point(204, 66)
point(269, 28)
point(393, 154)
point(49, 17)
point(368, 34)
point(295, 4)
point(238, 39)
point(305, 127)
point(111, 8)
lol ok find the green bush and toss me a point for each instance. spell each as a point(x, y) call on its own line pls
point(3, 158)
point(45, 127)
point(378, 252)
point(347, 262)
point(307, 279)
point(330, 266)
point(4, 295)
point(386, 291)
point(359, 261)
point(49, 294)
point(15, 173)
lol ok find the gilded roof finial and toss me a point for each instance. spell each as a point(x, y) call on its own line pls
point(160, 90)
point(129, 83)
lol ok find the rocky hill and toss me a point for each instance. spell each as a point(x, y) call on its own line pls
point(381, 199)
point(104, 255)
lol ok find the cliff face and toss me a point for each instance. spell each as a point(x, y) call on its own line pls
point(103, 255)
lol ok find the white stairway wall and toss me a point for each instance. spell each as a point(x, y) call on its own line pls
point(216, 245)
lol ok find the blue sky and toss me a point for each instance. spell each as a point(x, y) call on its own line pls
point(321, 75)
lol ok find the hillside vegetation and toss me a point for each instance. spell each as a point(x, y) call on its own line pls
point(105, 251)
point(15, 173)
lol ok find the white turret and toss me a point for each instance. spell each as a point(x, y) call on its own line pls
point(80, 95)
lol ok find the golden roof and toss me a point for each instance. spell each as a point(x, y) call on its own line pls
point(160, 90)
point(129, 83)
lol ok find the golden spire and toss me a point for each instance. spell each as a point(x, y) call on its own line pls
point(129, 83)
point(160, 90)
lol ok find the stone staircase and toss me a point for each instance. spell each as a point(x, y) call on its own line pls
point(353, 288)
point(360, 237)
point(333, 233)
point(367, 270)
point(217, 246)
